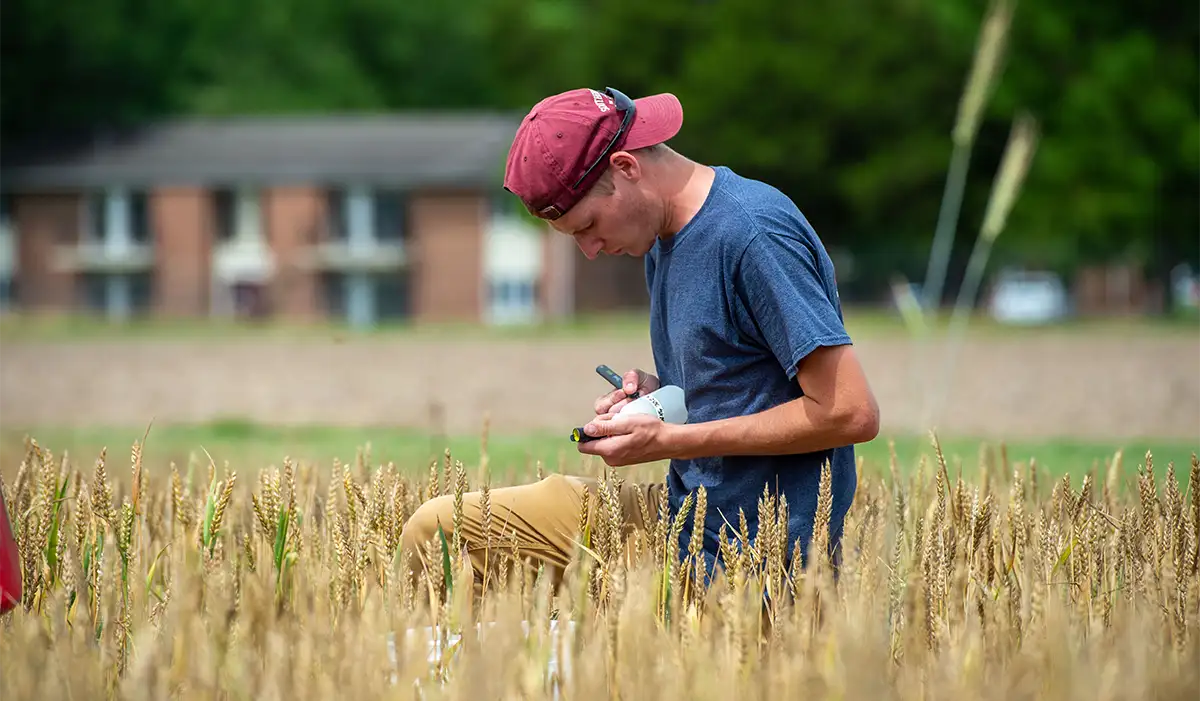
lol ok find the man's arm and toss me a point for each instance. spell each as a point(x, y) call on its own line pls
point(785, 303)
point(838, 409)
point(780, 301)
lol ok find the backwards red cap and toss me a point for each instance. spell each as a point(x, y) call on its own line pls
point(563, 144)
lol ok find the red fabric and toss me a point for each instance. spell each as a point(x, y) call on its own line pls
point(10, 563)
point(564, 134)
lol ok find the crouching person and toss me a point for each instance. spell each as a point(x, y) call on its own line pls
point(541, 522)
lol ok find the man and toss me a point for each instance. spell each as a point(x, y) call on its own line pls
point(744, 316)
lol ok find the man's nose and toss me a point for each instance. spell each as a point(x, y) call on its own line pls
point(590, 246)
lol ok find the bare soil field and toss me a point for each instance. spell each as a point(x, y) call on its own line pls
point(1057, 385)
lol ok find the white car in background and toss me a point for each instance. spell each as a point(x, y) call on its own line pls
point(1028, 297)
point(1185, 287)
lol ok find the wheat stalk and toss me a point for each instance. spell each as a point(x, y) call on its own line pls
point(947, 585)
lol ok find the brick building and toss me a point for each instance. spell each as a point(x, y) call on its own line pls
point(363, 218)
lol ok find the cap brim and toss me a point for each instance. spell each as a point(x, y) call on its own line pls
point(659, 118)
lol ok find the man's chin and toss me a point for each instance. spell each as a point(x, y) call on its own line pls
point(626, 252)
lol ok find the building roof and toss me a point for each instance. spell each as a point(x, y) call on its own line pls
point(451, 149)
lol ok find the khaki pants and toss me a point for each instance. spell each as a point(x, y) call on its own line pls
point(543, 516)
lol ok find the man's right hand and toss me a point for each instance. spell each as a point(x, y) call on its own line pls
point(638, 381)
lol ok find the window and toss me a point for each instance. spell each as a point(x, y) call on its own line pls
point(364, 299)
point(337, 214)
point(391, 296)
point(390, 224)
point(117, 277)
point(242, 260)
point(117, 295)
point(237, 215)
point(360, 300)
point(366, 216)
point(223, 215)
point(333, 293)
point(138, 217)
point(117, 218)
point(94, 226)
point(513, 299)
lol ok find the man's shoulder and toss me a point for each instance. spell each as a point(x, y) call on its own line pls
point(759, 211)
point(756, 194)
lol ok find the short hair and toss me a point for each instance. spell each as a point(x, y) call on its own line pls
point(604, 184)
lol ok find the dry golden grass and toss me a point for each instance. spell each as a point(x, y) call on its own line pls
point(145, 583)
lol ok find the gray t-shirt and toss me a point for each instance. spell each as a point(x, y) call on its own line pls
point(738, 297)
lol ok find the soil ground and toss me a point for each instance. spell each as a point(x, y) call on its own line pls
point(1030, 386)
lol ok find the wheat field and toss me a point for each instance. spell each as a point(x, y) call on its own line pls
point(989, 581)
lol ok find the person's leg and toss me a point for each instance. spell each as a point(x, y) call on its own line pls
point(543, 517)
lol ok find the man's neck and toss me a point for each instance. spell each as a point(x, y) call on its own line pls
point(687, 185)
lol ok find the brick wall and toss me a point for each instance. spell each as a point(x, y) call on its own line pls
point(293, 216)
point(446, 255)
point(445, 251)
point(43, 222)
point(183, 229)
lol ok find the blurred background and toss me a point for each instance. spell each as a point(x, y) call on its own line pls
point(250, 215)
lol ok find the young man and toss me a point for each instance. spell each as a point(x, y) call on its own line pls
point(744, 316)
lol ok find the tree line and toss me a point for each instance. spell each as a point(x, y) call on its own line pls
point(846, 106)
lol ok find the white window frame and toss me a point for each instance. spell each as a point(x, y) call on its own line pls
point(245, 257)
point(512, 269)
point(113, 239)
point(356, 227)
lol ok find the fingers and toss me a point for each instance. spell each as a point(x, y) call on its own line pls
point(615, 434)
point(643, 382)
point(612, 401)
point(633, 379)
point(611, 454)
point(598, 428)
point(607, 424)
point(613, 438)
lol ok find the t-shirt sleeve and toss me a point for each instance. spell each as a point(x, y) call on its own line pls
point(785, 299)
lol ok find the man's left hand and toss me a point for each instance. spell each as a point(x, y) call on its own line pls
point(628, 440)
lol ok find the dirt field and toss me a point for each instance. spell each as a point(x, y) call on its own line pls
point(1054, 386)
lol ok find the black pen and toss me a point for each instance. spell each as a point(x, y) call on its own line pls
point(577, 434)
point(613, 379)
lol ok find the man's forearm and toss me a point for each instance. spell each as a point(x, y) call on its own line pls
point(799, 426)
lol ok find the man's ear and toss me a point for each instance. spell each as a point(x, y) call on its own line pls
point(625, 164)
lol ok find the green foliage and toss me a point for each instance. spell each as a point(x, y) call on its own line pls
point(848, 107)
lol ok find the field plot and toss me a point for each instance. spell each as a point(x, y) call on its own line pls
point(983, 575)
point(289, 583)
point(1053, 385)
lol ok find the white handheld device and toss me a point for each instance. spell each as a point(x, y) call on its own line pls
point(667, 403)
